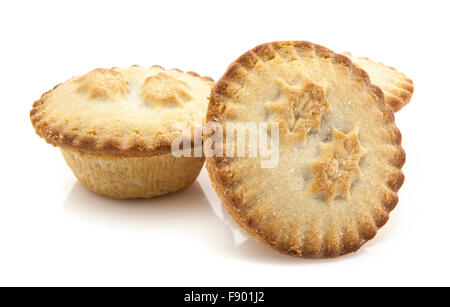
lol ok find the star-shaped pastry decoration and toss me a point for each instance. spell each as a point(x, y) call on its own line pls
point(163, 90)
point(338, 166)
point(103, 83)
point(299, 109)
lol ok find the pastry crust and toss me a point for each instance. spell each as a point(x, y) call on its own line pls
point(293, 208)
point(396, 86)
point(115, 128)
point(133, 177)
point(121, 111)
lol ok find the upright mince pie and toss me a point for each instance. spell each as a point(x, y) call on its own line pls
point(115, 128)
point(397, 88)
point(340, 154)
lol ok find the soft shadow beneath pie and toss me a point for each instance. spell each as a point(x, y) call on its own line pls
point(184, 214)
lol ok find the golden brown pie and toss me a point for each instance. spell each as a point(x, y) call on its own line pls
point(340, 154)
point(115, 128)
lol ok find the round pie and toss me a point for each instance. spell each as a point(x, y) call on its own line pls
point(340, 154)
point(115, 128)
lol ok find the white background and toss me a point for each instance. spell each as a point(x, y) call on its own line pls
point(54, 232)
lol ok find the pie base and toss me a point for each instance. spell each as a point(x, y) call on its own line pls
point(133, 177)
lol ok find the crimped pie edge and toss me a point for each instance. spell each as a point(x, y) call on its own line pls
point(112, 146)
point(224, 186)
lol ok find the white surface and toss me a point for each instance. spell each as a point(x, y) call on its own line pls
point(54, 232)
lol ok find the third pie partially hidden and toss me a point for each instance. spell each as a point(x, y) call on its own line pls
point(396, 86)
point(340, 157)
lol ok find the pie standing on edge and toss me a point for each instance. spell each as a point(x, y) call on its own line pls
point(397, 88)
point(340, 154)
point(115, 128)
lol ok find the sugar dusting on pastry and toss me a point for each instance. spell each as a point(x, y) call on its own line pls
point(163, 90)
point(337, 166)
point(299, 108)
point(103, 84)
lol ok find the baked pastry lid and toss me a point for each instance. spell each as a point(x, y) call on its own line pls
point(233, 197)
point(110, 146)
